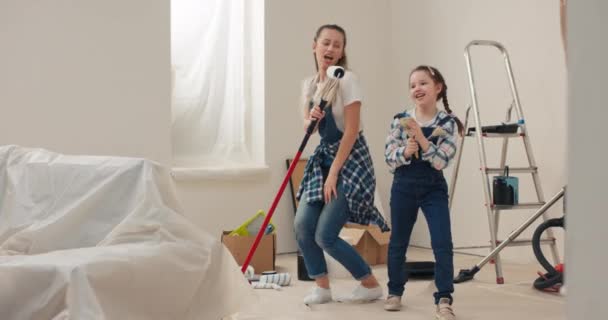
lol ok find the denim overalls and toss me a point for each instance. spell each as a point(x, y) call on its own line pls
point(329, 132)
point(419, 185)
point(317, 225)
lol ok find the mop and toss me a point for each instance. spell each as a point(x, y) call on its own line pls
point(326, 95)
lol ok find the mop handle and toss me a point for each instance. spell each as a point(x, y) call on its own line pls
point(294, 162)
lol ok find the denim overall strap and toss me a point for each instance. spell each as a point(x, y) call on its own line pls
point(427, 132)
point(327, 127)
point(444, 121)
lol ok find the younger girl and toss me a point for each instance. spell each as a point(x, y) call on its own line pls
point(421, 143)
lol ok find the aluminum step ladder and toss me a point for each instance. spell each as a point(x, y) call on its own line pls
point(493, 211)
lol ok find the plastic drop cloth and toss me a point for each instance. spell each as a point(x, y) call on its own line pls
point(85, 237)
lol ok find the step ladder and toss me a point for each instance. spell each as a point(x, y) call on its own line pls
point(493, 211)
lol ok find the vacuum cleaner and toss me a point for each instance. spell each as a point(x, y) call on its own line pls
point(554, 278)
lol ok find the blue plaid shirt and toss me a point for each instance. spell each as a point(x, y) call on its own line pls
point(359, 181)
point(438, 155)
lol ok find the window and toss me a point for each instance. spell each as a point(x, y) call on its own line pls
point(218, 87)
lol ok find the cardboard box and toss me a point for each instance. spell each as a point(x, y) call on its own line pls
point(369, 241)
point(264, 256)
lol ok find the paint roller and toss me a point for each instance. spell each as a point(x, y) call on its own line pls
point(325, 96)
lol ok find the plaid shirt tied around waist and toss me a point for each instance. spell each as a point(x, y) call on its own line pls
point(358, 181)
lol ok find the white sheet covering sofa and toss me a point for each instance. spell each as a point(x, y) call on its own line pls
point(87, 237)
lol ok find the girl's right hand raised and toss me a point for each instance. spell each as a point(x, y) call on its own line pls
point(316, 113)
point(411, 148)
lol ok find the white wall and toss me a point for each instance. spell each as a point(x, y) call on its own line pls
point(86, 77)
point(587, 257)
point(436, 32)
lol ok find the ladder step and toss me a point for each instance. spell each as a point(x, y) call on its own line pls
point(525, 205)
point(501, 128)
point(496, 135)
point(512, 170)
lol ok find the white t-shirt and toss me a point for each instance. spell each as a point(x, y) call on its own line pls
point(349, 92)
point(428, 123)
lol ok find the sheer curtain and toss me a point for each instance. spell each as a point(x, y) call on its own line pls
point(211, 99)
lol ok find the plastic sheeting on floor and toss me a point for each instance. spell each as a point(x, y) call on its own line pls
point(84, 237)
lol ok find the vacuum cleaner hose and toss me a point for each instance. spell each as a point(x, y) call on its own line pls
point(553, 276)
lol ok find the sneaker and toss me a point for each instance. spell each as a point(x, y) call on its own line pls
point(318, 296)
point(444, 310)
point(362, 294)
point(392, 303)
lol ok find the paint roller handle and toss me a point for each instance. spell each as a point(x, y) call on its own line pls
point(313, 122)
point(275, 202)
point(335, 72)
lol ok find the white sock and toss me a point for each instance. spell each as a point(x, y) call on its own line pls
point(318, 296)
point(362, 294)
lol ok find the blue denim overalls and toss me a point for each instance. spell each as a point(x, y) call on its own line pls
point(329, 132)
point(419, 185)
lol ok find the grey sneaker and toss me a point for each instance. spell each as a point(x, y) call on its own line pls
point(444, 310)
point(392, 303)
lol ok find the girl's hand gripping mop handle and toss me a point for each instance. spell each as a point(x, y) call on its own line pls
point(328, 92)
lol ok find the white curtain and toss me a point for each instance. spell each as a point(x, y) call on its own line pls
point(211, 102)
